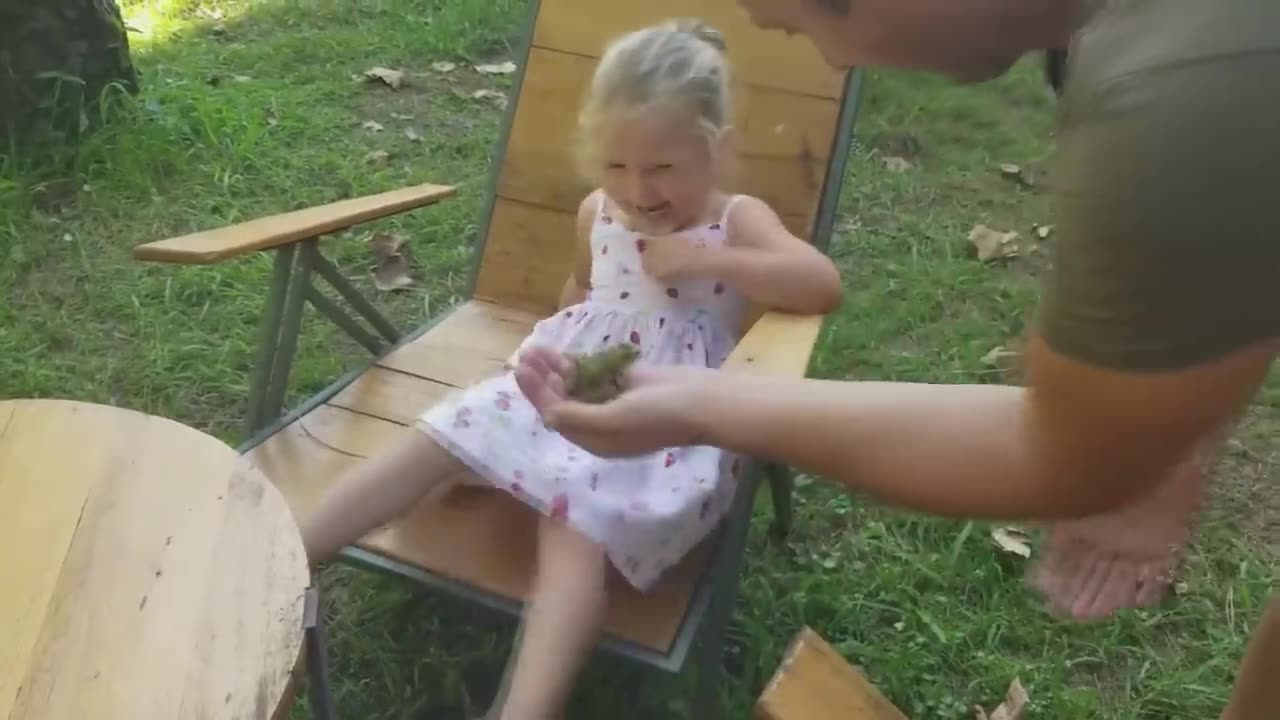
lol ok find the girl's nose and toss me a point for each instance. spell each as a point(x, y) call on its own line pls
point(641, 190)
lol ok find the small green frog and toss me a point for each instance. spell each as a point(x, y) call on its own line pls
point(597, 377)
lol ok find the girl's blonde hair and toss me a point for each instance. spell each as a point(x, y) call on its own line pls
point(677, 65)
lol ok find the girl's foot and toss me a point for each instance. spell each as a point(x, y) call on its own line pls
point(1127, 559)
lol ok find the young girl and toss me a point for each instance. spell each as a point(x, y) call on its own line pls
point(665, 261)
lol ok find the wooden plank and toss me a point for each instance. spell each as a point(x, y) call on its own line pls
point(777, 344)
point(783, 145)
point(211, 246)
point(472, 343)
point(182, 592)
point(528, 256)
point(763, 57)
point(813, 682)
point(473, 535)
point(40, 522)
point(390, 395)
point(779, 124)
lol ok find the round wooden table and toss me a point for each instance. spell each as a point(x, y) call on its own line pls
point(147, 572)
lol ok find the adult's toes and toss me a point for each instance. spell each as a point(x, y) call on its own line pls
point(1153, 582)
point(1117, 592)
point(1067, 567)
point(1090, 584)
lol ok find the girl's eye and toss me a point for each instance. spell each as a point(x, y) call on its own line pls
point(664, 166)
point(615, 166)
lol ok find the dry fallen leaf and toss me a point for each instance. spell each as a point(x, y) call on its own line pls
point(443, 67)
point(1043, 231)
point(505, 68)
point(377, 156)
point(1016, 173)
point(1012, 540)
point(393, 79)
point(500, 99)
point(896, 164)
point(1014, 705)
point(391, 261)
point(412, 135)
point(993, 244)
point(373, 125)
point(998, 353)
point(401, 116)
point(241, 78)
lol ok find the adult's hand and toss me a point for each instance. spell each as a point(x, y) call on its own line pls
point(654, 411)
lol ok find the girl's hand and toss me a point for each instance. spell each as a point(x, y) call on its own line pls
point(654, 411)
point(669, 257)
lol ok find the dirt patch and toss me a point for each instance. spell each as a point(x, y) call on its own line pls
point(1246, 494)
point(425, 101)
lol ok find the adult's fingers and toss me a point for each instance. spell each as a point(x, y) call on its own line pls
point(571, 416)
point(545, 359)
point(543, 388)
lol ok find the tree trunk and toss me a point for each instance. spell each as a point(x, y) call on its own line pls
point(57, 57)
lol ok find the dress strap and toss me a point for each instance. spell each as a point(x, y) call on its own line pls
point(728, 206)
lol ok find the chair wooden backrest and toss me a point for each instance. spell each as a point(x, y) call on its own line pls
point(786, 110)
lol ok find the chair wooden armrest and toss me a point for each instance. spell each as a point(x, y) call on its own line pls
point(211, 246)
point(778, 344)
point(813, 682)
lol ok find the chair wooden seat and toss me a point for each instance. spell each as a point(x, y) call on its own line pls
point(476, 536)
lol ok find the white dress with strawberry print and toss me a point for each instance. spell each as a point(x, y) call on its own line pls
point(647, 511)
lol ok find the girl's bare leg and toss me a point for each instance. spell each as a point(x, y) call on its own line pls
point(376, 492)
point(560, 625)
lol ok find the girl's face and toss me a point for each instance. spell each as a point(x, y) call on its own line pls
point(659, 169)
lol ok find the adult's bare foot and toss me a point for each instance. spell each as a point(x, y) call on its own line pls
point(1095, 566)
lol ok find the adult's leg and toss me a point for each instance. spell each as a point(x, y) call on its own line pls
point(377, 491)
point(1095, 566)
point(560, 626)
point(1256, 695)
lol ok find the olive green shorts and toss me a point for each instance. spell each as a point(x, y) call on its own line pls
point(1167, 185)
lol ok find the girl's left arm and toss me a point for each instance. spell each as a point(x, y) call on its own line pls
point(769, 265)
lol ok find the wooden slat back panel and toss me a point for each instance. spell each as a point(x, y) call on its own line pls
point(768, 58)
point(786, 106)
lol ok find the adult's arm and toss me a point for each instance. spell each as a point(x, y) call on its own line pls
point(1159, 316)
point(1081, 441)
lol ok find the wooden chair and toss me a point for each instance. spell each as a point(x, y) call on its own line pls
point(795, 118)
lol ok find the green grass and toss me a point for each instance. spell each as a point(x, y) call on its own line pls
point(935, 615)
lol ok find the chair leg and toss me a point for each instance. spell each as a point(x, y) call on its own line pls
point(724, 592)
point(317, 659)
point(781, 486)
point(710, 668)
